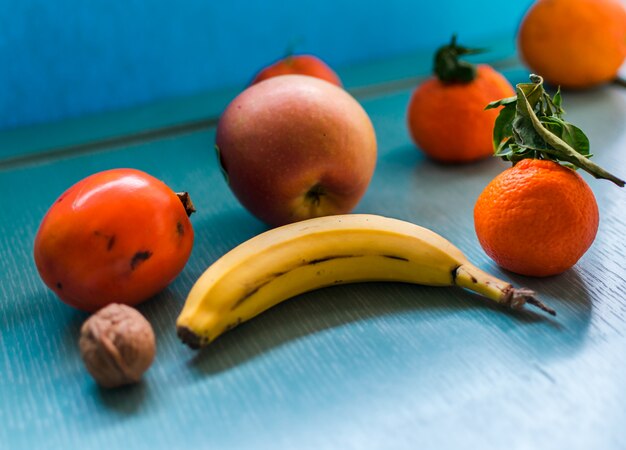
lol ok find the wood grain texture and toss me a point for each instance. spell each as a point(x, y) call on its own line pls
point(373, 366)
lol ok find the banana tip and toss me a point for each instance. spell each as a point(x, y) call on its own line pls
point(189, 337)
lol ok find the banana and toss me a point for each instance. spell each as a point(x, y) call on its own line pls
point(286, 261)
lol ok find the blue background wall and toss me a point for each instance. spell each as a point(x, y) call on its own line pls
point(65, 58)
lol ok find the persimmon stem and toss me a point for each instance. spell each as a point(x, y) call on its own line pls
point(187, 203)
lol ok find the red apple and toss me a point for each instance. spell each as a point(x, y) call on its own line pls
point(295, 147)
point(299, 65)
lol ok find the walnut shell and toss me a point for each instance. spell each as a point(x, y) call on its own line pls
point(117, 345)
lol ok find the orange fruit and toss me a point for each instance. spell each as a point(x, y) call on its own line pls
point(299, 65)
point(448, 121)
point(536, 218)
point(117, 236)
point(574, 43)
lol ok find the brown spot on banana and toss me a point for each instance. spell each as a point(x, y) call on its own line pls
point(327, 258)
point(256, 288)
point(275, 275)
point(230, 326)
point(398, 258)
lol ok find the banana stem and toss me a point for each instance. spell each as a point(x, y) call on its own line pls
point(476, 280)
point(533, 301)
point(518, 297)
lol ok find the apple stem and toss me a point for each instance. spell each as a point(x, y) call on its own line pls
point(315, 194)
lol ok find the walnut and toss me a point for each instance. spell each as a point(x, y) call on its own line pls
point(117, 345)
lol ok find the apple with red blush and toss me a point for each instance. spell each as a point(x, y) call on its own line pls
point(295, 147)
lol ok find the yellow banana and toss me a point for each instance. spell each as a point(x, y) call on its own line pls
point(307, 255)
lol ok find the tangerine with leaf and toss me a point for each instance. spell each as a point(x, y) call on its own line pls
point(446, 117)
point(538, 217)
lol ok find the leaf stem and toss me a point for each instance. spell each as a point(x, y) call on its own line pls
point(449, 68)
point(561, 148)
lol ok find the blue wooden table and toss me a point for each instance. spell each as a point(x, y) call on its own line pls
point(369, 366)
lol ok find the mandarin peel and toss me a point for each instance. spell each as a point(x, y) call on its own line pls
point(577, 44)
point(445, 116)
point(537, 218)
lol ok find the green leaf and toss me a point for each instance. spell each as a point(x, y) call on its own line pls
point(503, 102)
point(525, 134)
point(503, 127)
point(533, 93)
point(571, 134)
point(558, 99)
point(560, 149)
point(448, 67)
point(530, 125)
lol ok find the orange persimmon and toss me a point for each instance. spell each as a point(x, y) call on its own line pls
point(118, 236)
